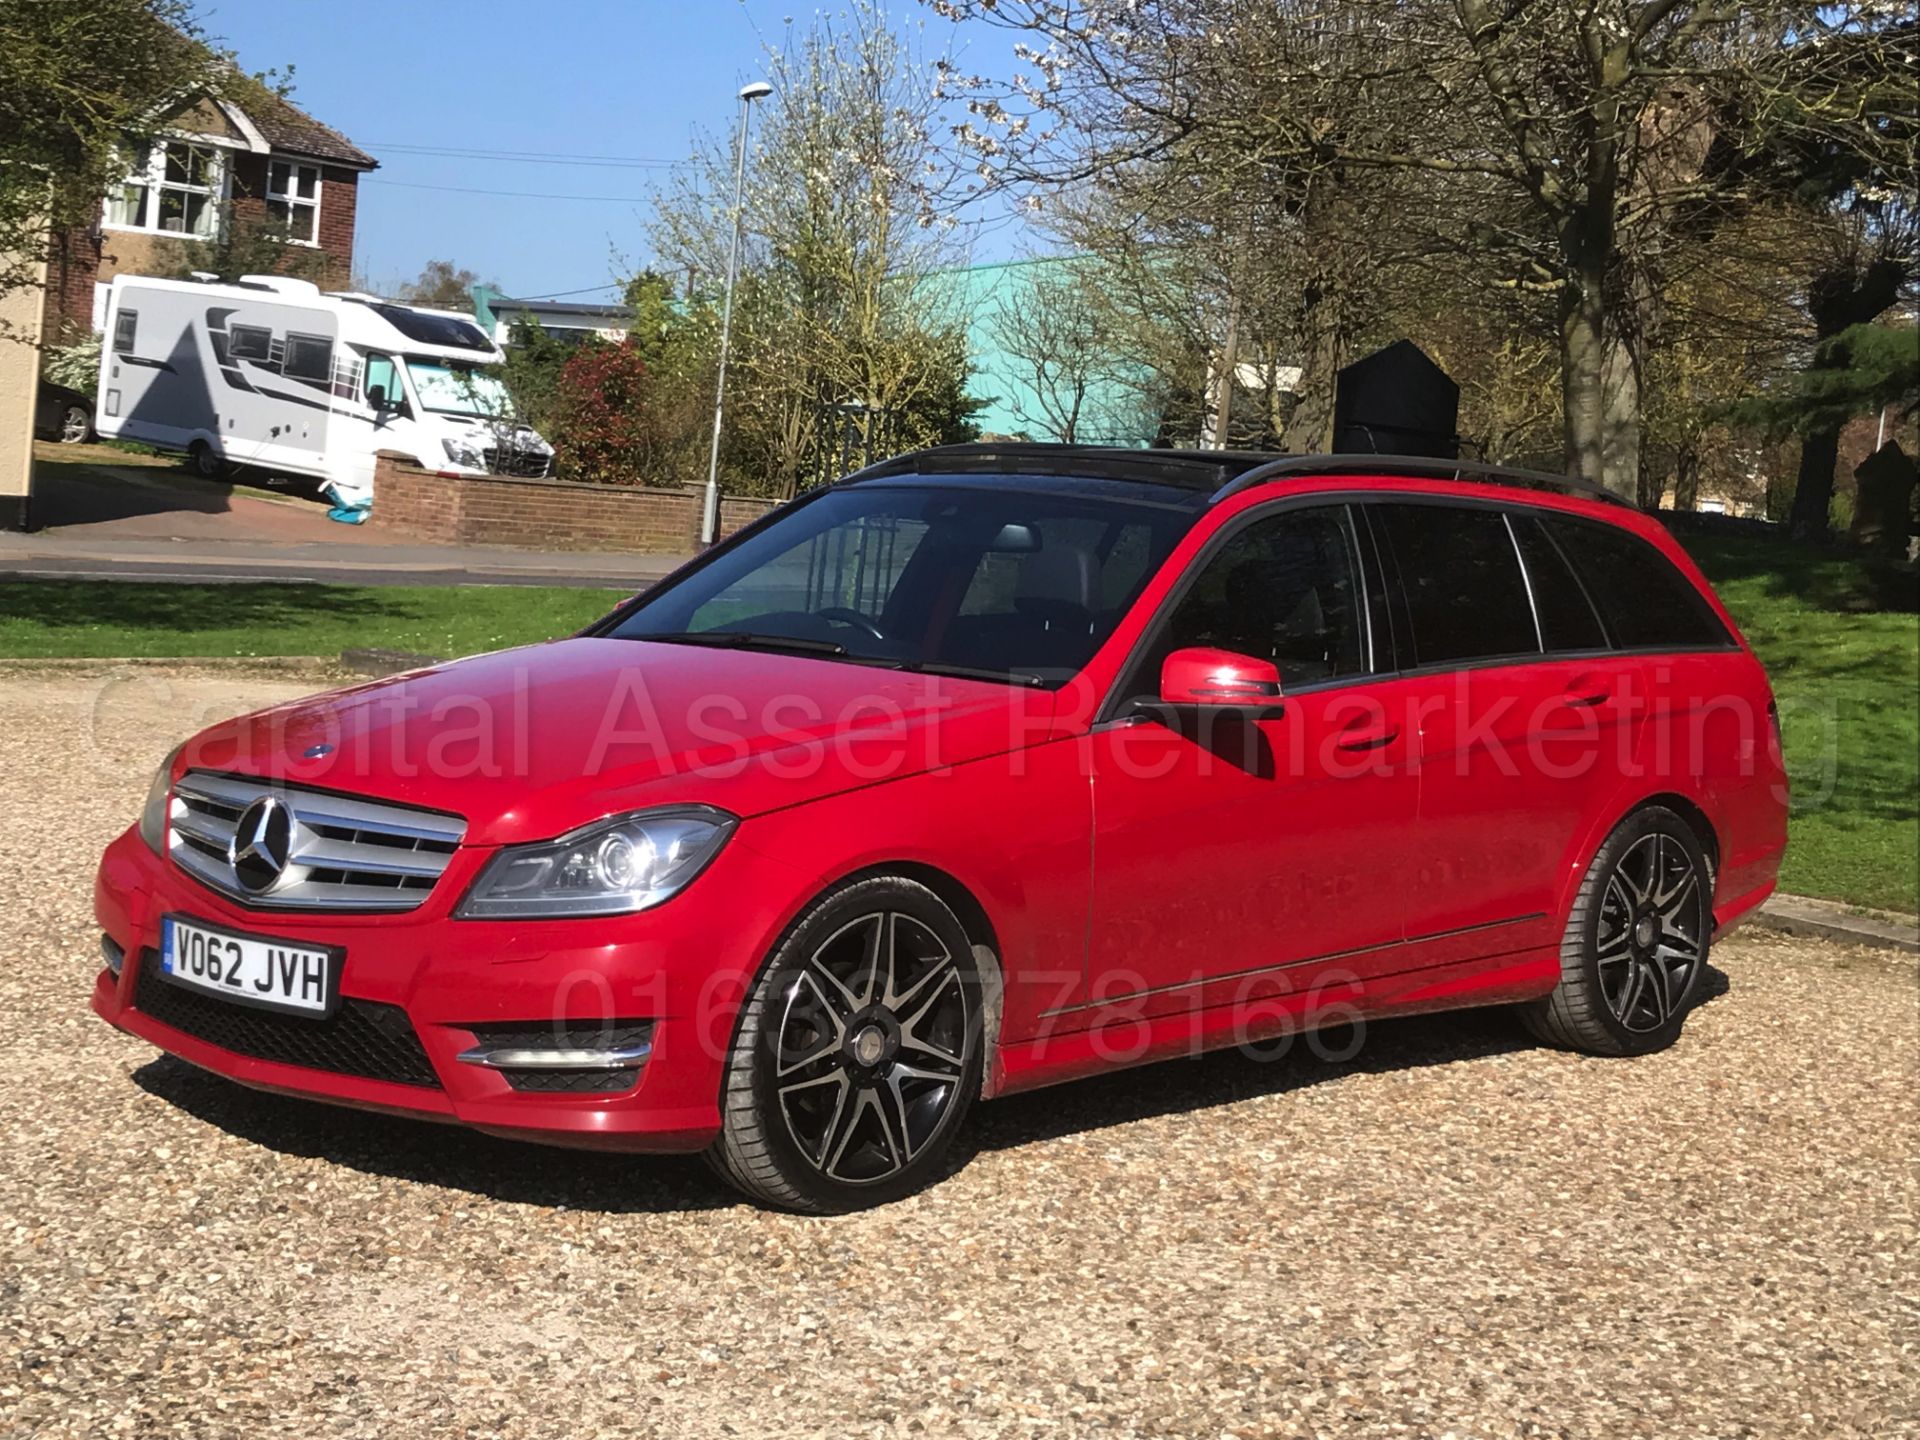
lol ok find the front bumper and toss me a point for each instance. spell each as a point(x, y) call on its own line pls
point(683, 966)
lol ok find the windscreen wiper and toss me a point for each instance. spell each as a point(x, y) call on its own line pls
point(744, 640)
point(963, 672)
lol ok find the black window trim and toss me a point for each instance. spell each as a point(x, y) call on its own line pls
point(1526, 583)
point(1116, 706)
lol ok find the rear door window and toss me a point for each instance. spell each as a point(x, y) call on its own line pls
point(1648, 604)
point(1567, 618)
point(1461, 574)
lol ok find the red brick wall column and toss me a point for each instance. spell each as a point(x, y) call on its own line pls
point(544, 514)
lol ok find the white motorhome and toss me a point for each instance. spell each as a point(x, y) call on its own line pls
point(278, 375)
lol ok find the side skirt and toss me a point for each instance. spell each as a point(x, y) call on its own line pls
point(1121, 1042)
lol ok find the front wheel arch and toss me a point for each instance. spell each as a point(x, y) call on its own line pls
point(759, 1150)
point(966, 908)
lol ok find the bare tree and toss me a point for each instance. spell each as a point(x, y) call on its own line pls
point(841, 307)
point(1559, 147)
point(441, 285)
point(1075, 383)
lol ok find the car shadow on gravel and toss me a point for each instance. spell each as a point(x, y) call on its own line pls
point(516, 1173)
point(1225, 1077)
point(433, 1154)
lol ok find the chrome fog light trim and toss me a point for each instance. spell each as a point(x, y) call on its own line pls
point(501, 1057)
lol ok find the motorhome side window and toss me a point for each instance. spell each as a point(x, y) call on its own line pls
point(250, 342)
point(124, 326)
point(308, 357)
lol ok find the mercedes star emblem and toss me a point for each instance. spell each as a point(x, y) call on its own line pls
point(261, 843)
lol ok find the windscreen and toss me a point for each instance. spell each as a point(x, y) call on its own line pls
point(1003, 581)
point(458, 389)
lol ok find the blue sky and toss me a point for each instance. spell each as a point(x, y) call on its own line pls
point(603, 78)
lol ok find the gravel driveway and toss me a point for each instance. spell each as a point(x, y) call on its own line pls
point(1454, 1233)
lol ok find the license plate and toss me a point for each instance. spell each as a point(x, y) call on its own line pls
point(252, 970)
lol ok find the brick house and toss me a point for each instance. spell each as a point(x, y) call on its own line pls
point(216, 161)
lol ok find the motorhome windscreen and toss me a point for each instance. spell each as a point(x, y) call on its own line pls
point(434, 329)
point(451, 389)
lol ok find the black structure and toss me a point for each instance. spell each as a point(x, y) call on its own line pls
point(1396, 401)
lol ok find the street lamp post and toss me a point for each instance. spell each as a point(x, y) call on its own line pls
point(710, 512)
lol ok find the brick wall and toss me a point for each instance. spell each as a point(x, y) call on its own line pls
point(73, 264)
point(544, 514)
point(339, 200)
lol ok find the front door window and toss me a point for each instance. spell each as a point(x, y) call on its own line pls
point(380, 386)
point(1286, 589)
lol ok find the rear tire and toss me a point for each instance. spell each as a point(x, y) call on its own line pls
point(857, 1054)
point(1636, 942)
point(205, 463)
point(76, 426)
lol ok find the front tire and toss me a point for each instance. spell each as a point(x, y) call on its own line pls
point(76, 426)
point(857, 1054)
point(1636, 942)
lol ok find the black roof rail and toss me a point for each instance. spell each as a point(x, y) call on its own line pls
point(1202, 470)
point(1223, 472)
point(1282, 467)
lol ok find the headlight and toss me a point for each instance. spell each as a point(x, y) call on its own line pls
point(464, 452)
point(611, 867)
point(153, 815)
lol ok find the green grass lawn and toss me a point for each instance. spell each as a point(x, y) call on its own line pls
point(1841, 640)
point(1842, 643)
point(66, 618)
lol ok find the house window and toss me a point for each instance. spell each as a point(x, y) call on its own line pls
point(293, 200)
point(176, 188)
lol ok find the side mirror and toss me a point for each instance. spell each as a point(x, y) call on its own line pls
point(1200, 677)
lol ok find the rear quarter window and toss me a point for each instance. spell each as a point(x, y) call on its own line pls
point(1647, 603)
point(1567, 618)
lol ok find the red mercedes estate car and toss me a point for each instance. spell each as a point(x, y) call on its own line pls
point(982, 769)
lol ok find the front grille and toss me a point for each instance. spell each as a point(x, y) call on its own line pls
point(584, 1035)
point(527, 464)
point(361, 1037)
point(342, 853)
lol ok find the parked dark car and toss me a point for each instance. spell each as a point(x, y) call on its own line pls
point(62, 414)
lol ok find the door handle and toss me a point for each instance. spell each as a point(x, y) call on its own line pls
point(1368, 737)
point(1588, 691)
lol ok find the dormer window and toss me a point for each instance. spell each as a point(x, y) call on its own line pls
point(176, 188)
point(293, 200)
